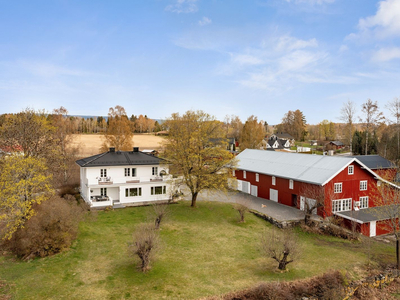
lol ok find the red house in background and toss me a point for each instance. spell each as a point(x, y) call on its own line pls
point(349, 186)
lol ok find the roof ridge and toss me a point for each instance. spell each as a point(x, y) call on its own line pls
point(97, 157)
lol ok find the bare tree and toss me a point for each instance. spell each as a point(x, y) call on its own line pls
point(160, 211)
point(372, 117)
point(394, 108)
point(348, 112)
point(314, 198)
point(145, 244)
point(388, 202)
point(242, 206)
point(281, 246)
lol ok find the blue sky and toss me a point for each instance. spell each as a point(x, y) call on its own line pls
point(240, 57)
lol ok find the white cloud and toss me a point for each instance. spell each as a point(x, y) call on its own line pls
point(205, 21)
point(386, 54)
point(385, 23)
point(183, 6)
point(343, 48)
point(289, 43)
point(311, 2)
point(246, 59)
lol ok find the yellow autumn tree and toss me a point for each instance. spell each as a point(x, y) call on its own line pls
point(23, 183)
point(118, 134)
point(196, 149)
point(252, 134)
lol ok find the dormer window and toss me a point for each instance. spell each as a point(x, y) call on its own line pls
point(350, 170)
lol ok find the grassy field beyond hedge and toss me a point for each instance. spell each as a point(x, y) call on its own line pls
point(205, 251)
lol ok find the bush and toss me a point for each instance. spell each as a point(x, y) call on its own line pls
point(51, 230)
point(145, 243)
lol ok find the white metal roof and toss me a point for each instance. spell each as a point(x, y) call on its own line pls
point(317, 169)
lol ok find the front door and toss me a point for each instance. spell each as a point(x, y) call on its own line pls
point(302, 202)
point(273, 195)
point(372, 228)
point(294, 200)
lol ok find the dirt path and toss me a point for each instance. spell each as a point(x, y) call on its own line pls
point(89, 144)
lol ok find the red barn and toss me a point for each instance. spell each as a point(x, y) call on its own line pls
point(348, 185)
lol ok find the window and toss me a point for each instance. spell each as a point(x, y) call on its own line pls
point(338, 188)
point(363, 185)
point(154, 171)
point(233, 173)
point(273, 180)
point(158, 190)
point(133, 192)
point(351, 170)
point(364, 202)
point(244, 174)
point(103, 172)
point(257, 177)
point(103, 191)
point(133, 172)
point(341, 205)
point(291, 184)
point(127, 172)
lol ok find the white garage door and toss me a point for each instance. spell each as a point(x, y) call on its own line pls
point(246, 187)
point(239, 185)
point(254, 190)
point(273, 195)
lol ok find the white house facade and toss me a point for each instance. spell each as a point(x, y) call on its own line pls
point(123, 178)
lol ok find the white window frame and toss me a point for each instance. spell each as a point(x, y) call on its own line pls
point(103, 192)
point(257, 177)
point(341, 205)
point(134, 172)
point(163, 190)
point(273, 180)
point(364, 202)
point(129, 192)
point(154, 171)
point(363, 185)
point(338, 187)
point(103, 173)
point(350, 170)
point(127, 172)
point(291, 184)
point(244, 174)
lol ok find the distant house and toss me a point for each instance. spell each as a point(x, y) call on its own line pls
point(150, 152)
point(335, 145)
point(278, 144)
point(283, 136)
point(349, 186)
point(123, 178)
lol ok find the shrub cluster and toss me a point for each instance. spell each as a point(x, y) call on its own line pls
point(327, 286)
point(51, 230)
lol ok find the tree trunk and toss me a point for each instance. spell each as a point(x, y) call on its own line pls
point(366, 142)
point(194, 198)
point(307, 218)
point(283, 262)
point(398, 254)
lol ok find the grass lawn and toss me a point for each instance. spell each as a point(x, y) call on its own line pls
point(205, 251)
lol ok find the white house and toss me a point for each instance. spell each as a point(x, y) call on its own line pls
point(123, 178)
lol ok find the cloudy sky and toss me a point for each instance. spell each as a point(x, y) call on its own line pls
point(240, 57)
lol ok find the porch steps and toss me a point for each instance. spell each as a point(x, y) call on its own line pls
point(117, 204)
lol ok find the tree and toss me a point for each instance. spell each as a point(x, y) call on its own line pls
point(372, 117)
point(29, 132)
point(119, 134)
point(314, 199)
point(23, 183)
point(196, 149)
point(294, 123)
point(253, 132)
point(388, 202)
point(242, 207)
point(233, 126)
point(145, 243)
point(160, 211)
point(347, 114)
point(327, 130)
point(394, 109)
point(280, 246)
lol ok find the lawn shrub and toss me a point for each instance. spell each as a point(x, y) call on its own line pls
point(145, 244)
point(51, 230)
point(327, 286)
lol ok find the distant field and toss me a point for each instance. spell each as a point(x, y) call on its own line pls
point(89, 144)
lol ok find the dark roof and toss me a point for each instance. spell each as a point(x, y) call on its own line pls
point(367, 215)
point(375, 162)
point(284, 135)
point(337, 143)
point(119, 158)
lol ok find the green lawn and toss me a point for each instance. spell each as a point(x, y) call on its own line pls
point(204, 252)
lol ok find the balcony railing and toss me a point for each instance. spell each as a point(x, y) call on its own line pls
point(104, 180)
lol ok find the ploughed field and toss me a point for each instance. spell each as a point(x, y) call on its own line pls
point(204, 251)
point(89, 144)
